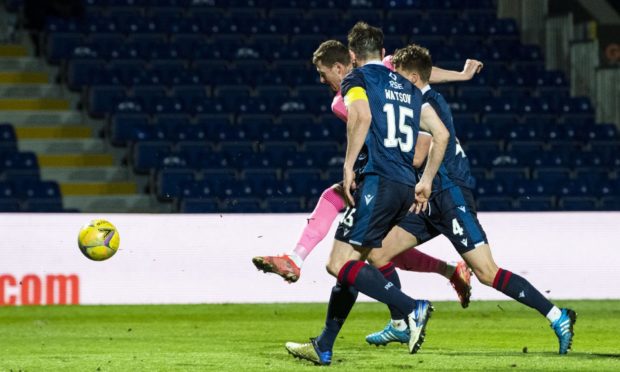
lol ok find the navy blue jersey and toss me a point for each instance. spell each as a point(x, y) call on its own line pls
point(395, 108)
point(454, 169)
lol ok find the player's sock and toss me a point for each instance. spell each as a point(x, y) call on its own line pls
point(390, 274)
point(414, 260)
point(521, 290)
point(320, 221)
point(554, 314)
point(368, 280)
point(341, 301)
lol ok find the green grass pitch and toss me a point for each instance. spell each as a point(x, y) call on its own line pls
point(488, 336)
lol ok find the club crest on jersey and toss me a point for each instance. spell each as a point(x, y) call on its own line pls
point(368, 198)
point(464, 242)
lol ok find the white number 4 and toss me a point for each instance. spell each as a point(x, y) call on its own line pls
point(456, 228)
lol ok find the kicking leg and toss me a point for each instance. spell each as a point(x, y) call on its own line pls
point(518, 288)
point(288, 266)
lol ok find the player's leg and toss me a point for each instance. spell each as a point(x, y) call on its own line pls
point(288, 265)
point(521, 290)
point(461, 226)
point(396, 241)
point(341, 301)
point(459, 275)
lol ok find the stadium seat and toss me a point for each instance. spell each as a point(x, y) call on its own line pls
point(305, 181)
point(495, 204)
point(610, 203)
point(147, 155)
point(577, 204)
point(199, 205)
point(126, 128)
point(169, 182)
point(285, 205)
point(536, 203)
point(241, 205)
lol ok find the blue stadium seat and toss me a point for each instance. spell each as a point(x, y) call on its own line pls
point(536, 203)
point(241, 205)
point(82, 73)
point(199, 205)
point(509, 174)
point(60, 46)
point(495, 204)
point(530, 188)
point(280, 150)
point(237, 150)
point(610, 203)
point(9, 205)
point(39, 190)
point(47, 205)
point(285, 205)
point(147, 155)
point(103, 99)
point(305, 181)
point(485, 188)
point(577, 204)
point(260, 179)
point(552, 177)
point(324, 151)
point(169, 182)
point(126, 128)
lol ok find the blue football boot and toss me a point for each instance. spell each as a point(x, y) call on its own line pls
point(309, 351)
point(387, 335)
point(417, 324)
point(563, 328)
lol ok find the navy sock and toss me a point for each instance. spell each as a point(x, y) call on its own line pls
point(341, 301)
point(371, 282)
point(520, 289)
point(390, 274)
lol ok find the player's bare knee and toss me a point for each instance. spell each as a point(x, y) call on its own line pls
point(485, 275)
point(376, 259)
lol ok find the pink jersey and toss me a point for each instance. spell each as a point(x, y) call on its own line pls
point(338, 107)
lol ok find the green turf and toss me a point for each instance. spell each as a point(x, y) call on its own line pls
point(487, 336)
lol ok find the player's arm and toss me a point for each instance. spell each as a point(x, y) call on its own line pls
point(471, 67)
point(421, 149)
point(430, 122)
point(358, 124)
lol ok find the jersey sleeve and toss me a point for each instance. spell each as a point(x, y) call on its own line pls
point(353, 87)
point(387, 62)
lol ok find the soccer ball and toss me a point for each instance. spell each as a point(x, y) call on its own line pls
point(98, 240)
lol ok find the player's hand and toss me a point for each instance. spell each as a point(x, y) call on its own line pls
point(422, 193)
point(471, 68)
point(349, 185)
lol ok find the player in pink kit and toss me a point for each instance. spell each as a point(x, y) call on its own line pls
point(333, 63)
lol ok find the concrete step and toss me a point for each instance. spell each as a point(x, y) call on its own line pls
point(30, 104)
point(41, 117)
point(63, 146)
point(31, 91)
point(75, 160)
point(85, 174)
point(56, 131)
point(114, 204)
point(24, 77)
point(98, 188)
point(24, 64)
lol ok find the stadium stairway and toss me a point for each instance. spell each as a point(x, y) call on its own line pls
point(67, 148)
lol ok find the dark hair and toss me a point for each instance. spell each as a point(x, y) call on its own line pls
point(414, 58)
point(330, 52)
point(365, 40)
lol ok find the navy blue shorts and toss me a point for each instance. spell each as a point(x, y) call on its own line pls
point(380, 204)
point(451, 213)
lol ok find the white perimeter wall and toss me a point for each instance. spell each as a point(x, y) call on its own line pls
point(207, 258)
